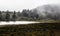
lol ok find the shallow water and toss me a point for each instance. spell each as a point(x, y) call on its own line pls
point(17, 22)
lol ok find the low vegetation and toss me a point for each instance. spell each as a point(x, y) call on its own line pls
point(37, 29)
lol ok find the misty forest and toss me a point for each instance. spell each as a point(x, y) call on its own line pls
point(45, 12)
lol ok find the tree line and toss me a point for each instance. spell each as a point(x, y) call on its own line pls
point(13, 15)
point(26, 14)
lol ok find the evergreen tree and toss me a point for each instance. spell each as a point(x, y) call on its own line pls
point(0, 16)
point(14, 16)
point(7, 16)
point(37, 16)
point(24, 13)
point(18, 13)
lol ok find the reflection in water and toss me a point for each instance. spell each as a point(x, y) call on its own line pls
point(17, 22)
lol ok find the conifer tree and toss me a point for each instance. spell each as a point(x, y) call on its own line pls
point(0, 16)
point(14, 16)
point(7, 16)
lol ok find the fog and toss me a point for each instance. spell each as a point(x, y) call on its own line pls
point(49, 11)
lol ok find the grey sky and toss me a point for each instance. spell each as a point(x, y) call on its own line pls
point(24, 4)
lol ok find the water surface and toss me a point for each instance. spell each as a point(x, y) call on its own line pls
point(17, 22)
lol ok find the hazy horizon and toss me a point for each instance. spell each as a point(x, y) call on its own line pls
point(19, 5)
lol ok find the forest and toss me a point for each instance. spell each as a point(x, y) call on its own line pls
point(17, 16)
point(29, 15)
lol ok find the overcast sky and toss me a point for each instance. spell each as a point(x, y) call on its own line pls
point(24, 4)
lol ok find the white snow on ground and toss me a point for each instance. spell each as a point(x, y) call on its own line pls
point(17, 22)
